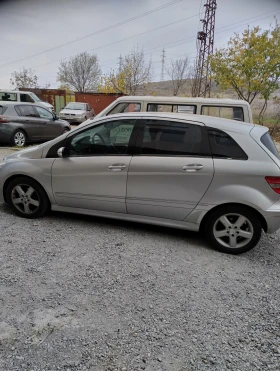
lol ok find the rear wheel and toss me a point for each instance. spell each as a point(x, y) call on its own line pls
point(233, 229)
point(27, 198)
point(19, 138)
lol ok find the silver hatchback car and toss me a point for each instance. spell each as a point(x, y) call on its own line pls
point(196, 173)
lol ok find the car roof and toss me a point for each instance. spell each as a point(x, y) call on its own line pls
point(11, 103)
point(210, 121)
point(194, 100)
point(14, 91)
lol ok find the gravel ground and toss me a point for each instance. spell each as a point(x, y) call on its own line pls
point(82, 293)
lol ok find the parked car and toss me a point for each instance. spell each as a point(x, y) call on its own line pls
point(22, 123)
point(77, 112)
point(25, 97)
point(224, 108)
point(191, 172)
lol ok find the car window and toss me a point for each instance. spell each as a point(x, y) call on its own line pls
point(27, 111)
point(2, 109)
point(268, 142)
point(224, 146)
point(8, 97)
point(232, 113)
point(26, 98)
point(159, 107)
point(110, 138)
point(173, 139)
point(125, 107)
point(178, 108)
point(44, 113)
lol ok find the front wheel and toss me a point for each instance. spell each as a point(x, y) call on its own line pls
point(233, 229)
point(19, 138)
point(27, 198)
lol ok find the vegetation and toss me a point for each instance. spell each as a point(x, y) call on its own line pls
point(179, 73)
point(24, 78)
point(132, 78)
point(250, 64)
point(81, 73)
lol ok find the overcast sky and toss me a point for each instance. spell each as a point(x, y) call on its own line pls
point(29, 27)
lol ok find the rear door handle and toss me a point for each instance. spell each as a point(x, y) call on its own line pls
point(191, 168)
point(117, 167)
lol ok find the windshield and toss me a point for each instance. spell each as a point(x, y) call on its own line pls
point(35, 98)
point(76, 106)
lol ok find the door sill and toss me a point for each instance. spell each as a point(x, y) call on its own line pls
point(130, 217)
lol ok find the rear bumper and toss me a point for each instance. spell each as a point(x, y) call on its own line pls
point(272, 217)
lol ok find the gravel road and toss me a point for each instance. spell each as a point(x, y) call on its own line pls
point(81, 293)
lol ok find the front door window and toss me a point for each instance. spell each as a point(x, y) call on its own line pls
point(110, 138)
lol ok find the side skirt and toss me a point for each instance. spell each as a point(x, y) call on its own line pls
point(129, 217)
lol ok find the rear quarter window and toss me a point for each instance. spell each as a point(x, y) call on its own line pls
point(224, 146)
point(269, 144)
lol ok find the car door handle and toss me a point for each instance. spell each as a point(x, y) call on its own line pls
point(117, 167)
point(191, 168)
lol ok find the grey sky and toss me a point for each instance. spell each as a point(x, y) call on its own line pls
point(28, 27)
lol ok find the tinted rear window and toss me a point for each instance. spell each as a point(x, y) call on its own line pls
point(224, 146)
point(268, 142)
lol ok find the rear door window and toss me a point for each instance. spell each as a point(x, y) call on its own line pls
point(125, 107)
point(26, 111)
point(169, 138)
point(269, 144)
point(224, 146)
point(232, 113)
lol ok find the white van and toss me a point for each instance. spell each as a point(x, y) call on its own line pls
point(23, 96)
point(226, 108)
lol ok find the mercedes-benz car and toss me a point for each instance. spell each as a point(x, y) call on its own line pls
point(199, 173)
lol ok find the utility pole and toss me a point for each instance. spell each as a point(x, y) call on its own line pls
point(162, 64)
point(205, 48)
point(120, 62)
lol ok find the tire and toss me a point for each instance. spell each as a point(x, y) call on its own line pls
point(233, 229)
point(27, 205)
point(19, 138)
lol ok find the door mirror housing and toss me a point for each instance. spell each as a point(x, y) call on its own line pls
point(55, 117)
point(62, 152)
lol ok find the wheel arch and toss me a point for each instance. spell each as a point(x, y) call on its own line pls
point(256, 212)
point(11, 178)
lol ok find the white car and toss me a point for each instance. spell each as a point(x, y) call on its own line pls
point(25, 97)
point(77, 112)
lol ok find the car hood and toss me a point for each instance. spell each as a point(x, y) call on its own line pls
point(72, 111)
point(46, 104)
point(33, 152)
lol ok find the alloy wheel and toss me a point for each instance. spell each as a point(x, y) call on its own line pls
point(19, 139)
point(25, 198)
point(233, 230)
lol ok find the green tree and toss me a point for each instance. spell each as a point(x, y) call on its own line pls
point(24, 78)
point(249, 64)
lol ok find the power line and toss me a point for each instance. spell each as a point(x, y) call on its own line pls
point(93, 33)
point(180, 41)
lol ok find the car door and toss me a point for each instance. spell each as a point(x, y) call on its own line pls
point(52, 128)
point(172, 170)
point(30, 121)
point(94, 173)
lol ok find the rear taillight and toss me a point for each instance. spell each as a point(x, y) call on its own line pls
point(274, 182)
point(3, 120)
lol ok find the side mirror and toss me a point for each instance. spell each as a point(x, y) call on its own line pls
point(61, 152)
point(55, 117)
